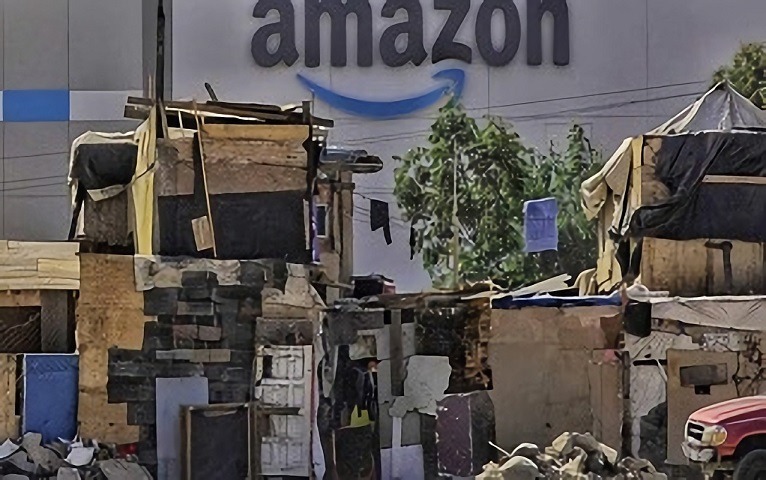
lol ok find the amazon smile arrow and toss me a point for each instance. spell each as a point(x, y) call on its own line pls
point(452, 83)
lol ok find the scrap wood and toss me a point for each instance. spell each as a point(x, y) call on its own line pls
point(204, 180)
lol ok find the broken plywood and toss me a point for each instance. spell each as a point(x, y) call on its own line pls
point(39, 265)
point(109, 314)
point(683, 400)
point(542, 364)
point(605, 381)
point(426, 381)
point(690, 268)
point(9, 422)
point(299, 299)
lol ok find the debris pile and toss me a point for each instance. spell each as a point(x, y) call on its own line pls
point(571, 456)
point(29, 459)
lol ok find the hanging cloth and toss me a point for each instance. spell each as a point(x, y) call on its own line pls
point(540, 230)
point(379, 218)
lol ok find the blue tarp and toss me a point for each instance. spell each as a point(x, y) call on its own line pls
point(50, 396)
point(510, 303)
point(540, 230)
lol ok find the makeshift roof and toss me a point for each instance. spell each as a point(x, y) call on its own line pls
point(224, 112)
point(722, 108)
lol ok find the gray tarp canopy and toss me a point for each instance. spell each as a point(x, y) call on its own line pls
point(722, 108)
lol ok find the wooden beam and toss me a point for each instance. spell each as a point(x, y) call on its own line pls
point(734, 179)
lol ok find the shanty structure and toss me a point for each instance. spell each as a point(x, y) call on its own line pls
point(676, 206)
point(215, 235)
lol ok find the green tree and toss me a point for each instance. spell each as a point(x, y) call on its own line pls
point(747, 72)
point(496, 173)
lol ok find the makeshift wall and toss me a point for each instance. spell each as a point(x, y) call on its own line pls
point(554, 371)
point(206, 313)
point(392, 372)
point(253, 181)
point(697, 267)
point(109, 315)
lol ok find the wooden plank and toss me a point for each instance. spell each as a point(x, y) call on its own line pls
point(270, 133)
point(202, 159)
point(20, 298)
point(257, 152)
point(735, 179)
point(9, 424)
point(66, 269)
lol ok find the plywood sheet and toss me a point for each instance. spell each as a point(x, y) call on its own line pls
point(255, 158)
point(689, 268)
point(605, 382)
point(9, 426)
point(541, 360)
point(685, 400)
point(109, 314)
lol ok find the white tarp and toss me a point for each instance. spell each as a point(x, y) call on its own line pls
point(740, 313)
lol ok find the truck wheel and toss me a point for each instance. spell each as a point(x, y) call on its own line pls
point(752, 467)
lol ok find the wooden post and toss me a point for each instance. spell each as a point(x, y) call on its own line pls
point(204, 178)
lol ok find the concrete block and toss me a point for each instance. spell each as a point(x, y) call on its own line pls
point(209, 334)
point(184, 355)
point(195, 308)
point(160, 301)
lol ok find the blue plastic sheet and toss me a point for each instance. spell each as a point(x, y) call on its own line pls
point(509, 303)
point(50, 396)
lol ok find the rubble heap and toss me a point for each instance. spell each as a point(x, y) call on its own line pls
point(571, 456)
point(28, 458)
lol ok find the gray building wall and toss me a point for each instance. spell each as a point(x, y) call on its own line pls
point(88, 52)
point(647, 51)
point(629, 59)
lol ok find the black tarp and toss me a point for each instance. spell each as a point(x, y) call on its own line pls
point(101, 165)
point(246, 226)
point(707, 210)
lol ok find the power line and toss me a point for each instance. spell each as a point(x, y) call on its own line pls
point(57, 184)
point(571, 97)
point(543, 116)
point(591, 95)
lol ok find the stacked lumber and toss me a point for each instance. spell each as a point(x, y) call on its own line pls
point(39, 265)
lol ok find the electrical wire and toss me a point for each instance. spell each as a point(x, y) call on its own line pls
point(543, 116)
point(560, 99)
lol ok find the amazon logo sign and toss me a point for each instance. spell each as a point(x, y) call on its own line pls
point(403, 43)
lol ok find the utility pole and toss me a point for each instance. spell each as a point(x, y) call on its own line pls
point(455, 223)
point(159, 74)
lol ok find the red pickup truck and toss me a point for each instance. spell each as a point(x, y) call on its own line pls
point(729, 437)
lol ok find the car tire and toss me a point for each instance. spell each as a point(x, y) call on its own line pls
point(752, 466)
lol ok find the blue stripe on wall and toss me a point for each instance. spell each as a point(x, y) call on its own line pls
point(36, 105)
